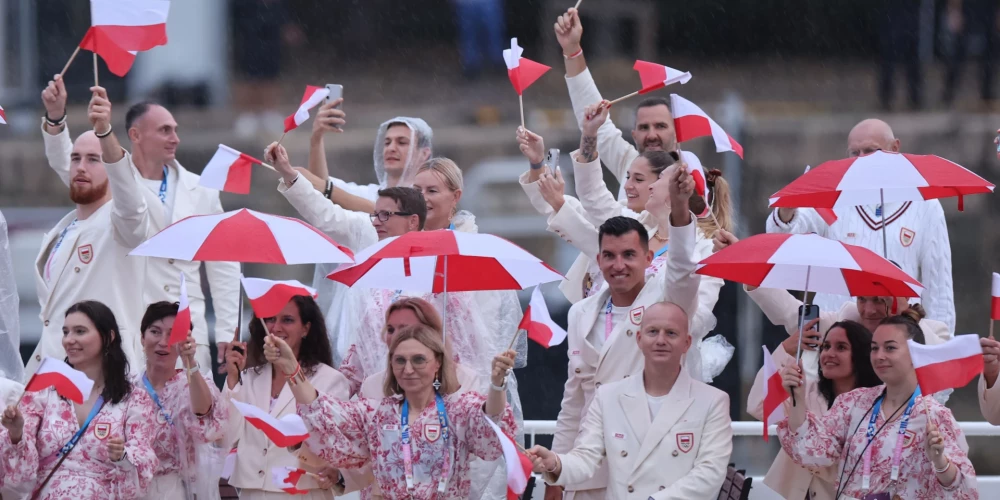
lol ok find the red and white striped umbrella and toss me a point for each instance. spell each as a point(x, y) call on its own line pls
point(244, 236)
point(878, 178)
point(445, 261)
point(809, 262)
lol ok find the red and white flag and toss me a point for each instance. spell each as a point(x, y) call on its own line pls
point(995, 301)
point(3, 116)
point(950, 365)
point(287, 478)
point(286, 431)
point(521, 70)
point(268, 297)
point(700, 177)
point(121, 28)
point(827, 214)
point(656, 76)
point(774, 393)
point(229, 171)
point(691, 122)
point(312, 98)
point(182, 323)
point(70, 383)
point(518, 464)
point(538, 323)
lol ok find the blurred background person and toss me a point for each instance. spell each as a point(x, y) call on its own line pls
point(967, 19)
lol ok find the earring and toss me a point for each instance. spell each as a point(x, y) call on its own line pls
point(437, 383)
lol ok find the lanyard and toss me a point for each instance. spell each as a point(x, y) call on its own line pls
point(86, 423)
point(407, 453)
point(451, 226)
point(897, 453)
point(156, 399)
point(55, 249)
point(163, 187)
point(661, 251)
point(608, 326)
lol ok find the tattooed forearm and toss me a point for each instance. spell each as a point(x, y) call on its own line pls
point(588, 148)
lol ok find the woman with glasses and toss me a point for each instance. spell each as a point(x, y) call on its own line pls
point(421, 437)
point(299, 326)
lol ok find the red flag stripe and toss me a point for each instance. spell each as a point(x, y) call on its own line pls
point(280, 440)
point(275, 299)
point(63, 385)
point(950, 374)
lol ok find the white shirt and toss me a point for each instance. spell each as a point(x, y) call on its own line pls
point(60, 253)
point(154, 186)
point(655, 402)
point(598, 333)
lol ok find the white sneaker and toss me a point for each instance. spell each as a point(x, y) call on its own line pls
point(246, 126)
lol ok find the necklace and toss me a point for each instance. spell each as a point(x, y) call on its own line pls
point(660, 238)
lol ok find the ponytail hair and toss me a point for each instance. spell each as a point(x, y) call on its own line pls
point(721, 201)
point(910, 321)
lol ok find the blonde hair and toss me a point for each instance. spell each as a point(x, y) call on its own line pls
point(431, 339)
point(448, 170)
point(423, 310)
point(722, 206)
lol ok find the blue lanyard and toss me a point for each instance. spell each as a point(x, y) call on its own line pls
point(86, 423)
point(404, 421)
point(163, 187)
point(451, 226)
point(661, 251)
point(901, 435)
point(156, 399)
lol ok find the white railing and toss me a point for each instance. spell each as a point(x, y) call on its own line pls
point(989, 486)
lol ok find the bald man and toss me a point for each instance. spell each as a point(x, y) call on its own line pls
point(916, 232)
point(663, 434)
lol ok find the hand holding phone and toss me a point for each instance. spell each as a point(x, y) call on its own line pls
point(329, 117)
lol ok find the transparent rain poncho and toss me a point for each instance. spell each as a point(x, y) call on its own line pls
point(11, 366)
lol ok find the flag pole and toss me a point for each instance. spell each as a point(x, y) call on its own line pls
point(265, 165)
point(282, 137)
point(622, 98)
point(96, 84)
point(71, 57)
point(991, 329)
point(578, 2)
point(520, 100)
point(516, 335)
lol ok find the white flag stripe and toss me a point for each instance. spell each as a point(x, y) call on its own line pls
point(257, 287)
point(216, 173)
point(128, 12)
point(303, 112)
point(996, 285)
point(512, 56)
point(289, 425)
point(76, 377)
point(962, 346)
point(516, 479)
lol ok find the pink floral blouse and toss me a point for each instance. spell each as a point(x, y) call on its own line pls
point(836, 438)
point(176, 398)
point(49, 423)
point(349, 434)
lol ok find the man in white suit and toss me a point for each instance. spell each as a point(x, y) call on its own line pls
point(82, 258)
point(601, 327)
point(165, 193)
point(916, 233)
point(663, 434)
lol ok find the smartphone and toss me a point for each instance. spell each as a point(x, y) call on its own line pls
point(336, 92)
point(552, 159)
point(809, 313)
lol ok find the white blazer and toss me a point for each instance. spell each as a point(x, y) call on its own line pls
point(620, 356)
point(782, 309)
point(98, 268)
point(256, 455)
point(162, 276)
point(681, 454)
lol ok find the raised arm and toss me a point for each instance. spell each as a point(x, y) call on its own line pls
point(601, 205)
point(935, 267)
point(55, 132)
point(328, 119)
point(796, 221)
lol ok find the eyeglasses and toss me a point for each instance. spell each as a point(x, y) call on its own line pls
point(418, 362)
point(383, 215)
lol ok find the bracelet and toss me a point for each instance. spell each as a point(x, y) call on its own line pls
point(207, 413)
point(329, 189)
point(536, 166)
point(195, 368)
point(945, 469)
point(55, 123)
point(575, 54)
point(102, 136)
point(294, 372)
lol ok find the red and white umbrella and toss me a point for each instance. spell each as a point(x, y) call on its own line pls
point(244, 236)
point(811, 263)
point(445, 261)
point(878, 178)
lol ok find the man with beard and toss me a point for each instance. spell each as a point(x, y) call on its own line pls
point(81, 257)
point(165, 192)
point(654, 123)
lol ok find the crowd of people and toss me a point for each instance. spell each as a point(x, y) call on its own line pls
point(397, 409)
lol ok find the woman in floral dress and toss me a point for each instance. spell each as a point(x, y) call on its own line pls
point(113, 455)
